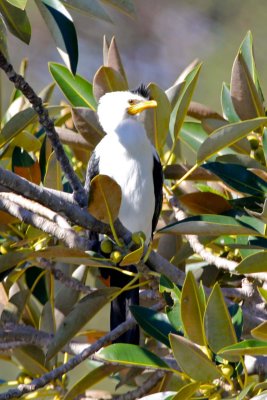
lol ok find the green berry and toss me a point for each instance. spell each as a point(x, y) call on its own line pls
point(106, 246)
point(116, 256)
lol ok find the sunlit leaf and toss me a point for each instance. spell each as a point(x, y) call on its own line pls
point(227, 104)
point(18, 3)
point(187, 391)
point(254, 263)
point(83, 311)
point(16, 21)
point(131, 354)
point(247, 347)
point(218, 325)
point(3, 39)
point(192, 360)
point(61, 26)
point(76, 89)
point(114, 59)
point(174, 93)
point(192, 311)
point(90, 379)
point(53, 176)
point(227, 136)
point(107, 80)
point(32, 359)
point(260, 332)
point(133, 257)
point(104, 198)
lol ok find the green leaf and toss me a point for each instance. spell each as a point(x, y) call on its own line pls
point(192, 311)
point(125, 6)
point(76, 89)
point(16, 21)
point(180, 110)
point(227, 136)
point(174, 92)
point(87, 307)
point(247, 347)
point(227, 104)
point(107, 80)
point(263, 293)
point(61, 26)
point(16, 125)
point(192, 360)
point(172, 295)
point(90, 379)
point(26, 141)
point(130, 354)
point(3, 39)
point(18, 3)
point(154, 323)
point(244, 94)
point(218, 325)
point(89, 7)
point(32, 359)
point(239, 178)
point(252, 264)
point(159, 117)
point(53, 176)
point(236, 314)
point(211, 225)
point(86, 123)
point(187, 391)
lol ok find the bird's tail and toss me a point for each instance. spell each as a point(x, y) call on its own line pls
point(120, 310)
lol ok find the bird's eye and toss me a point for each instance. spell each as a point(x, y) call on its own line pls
point(132, 102)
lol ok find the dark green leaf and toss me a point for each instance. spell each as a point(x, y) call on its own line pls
point(16, 21)
point(61, 26)
point(239, 178)
point(76, 89)
point(237, 319)
point(89, 7)
point(154, 323)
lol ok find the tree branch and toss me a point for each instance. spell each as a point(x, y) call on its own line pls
point(20, 83)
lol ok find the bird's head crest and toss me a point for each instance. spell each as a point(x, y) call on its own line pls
point(142, 90)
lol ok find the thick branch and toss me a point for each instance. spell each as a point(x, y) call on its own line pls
point(47, 123)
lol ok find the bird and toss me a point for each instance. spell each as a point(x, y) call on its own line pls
point(127, 155)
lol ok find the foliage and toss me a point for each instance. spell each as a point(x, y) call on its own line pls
point(198, 341)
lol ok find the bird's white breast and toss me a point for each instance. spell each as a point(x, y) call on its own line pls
point(127, 157)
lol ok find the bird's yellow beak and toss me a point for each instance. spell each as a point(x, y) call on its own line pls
point(141, 106)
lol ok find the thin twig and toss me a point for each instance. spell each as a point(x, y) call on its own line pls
point(20, 83)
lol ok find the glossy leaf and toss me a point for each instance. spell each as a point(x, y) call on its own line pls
point(218, 325)
point(192, 360)
point(87, 307)
point(263, 293)
point(131, 354)
point(205, 203)
point(107, 80)
point(87, 124)
point(61, 26)
point(90, 379)
point(133, 257)
point(26, 141)
point(76, 89)
point(18, 3)
point(114, 59)
point(174, 93)
point(181, 109)
point(104, 198)
point(210, 225)
point(53, 176)
point(16, 125)
point(227, 104)
point(244, 94)
point(192, 311)
point(89, 7)
point(239, 178)
point(16, 21)
point(254, 263)
point(227, 136)
point(154, 323)
point(172, 295)
point(247, 347)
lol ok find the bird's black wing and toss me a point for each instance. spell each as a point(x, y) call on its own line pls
point(92, 170)
point(158, 184)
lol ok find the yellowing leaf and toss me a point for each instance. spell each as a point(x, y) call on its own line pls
point(205, 203)
point(134, 257)
point(260, 332)
point(32, 173)
point(104, 198)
